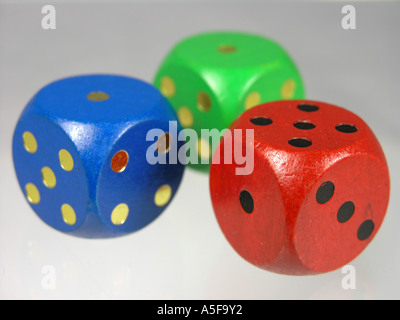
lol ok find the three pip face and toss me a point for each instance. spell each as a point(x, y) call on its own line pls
point(212, 78)
point(310, 205)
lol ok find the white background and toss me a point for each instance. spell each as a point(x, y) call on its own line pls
point(183, 254)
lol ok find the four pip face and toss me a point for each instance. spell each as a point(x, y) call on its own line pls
point(311, 204)
point(80, 155)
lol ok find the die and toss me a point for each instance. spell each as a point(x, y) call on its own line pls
point(317, 194)
point(81, 153)
point(211, 78)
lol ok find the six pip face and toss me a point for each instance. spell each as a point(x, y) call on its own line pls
point(312, 203)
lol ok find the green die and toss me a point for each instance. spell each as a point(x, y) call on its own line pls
point(211, 78)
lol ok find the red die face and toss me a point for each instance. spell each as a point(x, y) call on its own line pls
point(318, 192)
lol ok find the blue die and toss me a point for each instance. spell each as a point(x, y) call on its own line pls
point(81, 153)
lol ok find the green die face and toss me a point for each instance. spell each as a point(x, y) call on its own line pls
point(211, 78)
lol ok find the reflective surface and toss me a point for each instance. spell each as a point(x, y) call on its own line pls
point(197, 262)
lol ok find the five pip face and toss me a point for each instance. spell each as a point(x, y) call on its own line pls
point(311, 204)
point(79, 152)
point(318, 192)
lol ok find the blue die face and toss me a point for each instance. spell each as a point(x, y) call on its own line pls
point(80, 153)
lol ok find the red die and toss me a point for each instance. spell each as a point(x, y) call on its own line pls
point(318, 192)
